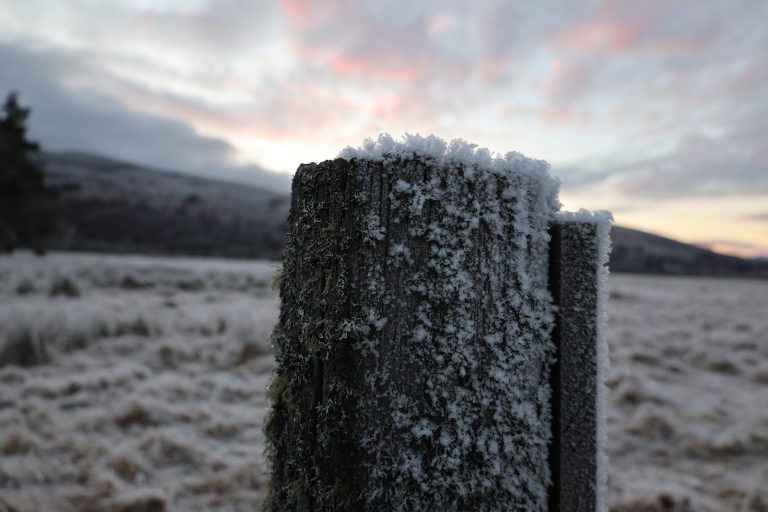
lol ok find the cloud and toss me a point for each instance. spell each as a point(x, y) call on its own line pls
point(657, 73)
point(160, 32)
point(618, 29)
point(691, 105)
point(291, 109)
point(735, 163)
point(203, 51)
point(759, 216)
point(631, 92)
point(412, 44)
point(67, 117)
point(366, 39)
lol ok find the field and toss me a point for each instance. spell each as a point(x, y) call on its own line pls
point(137, 384)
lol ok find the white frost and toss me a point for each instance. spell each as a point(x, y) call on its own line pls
point(458, 151)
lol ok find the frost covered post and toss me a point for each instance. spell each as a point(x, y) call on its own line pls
point(415, 341)
point(578, 270)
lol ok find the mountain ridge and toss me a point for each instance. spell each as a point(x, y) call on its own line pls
point(113, 206)
point(641, 252)
point(110, 205)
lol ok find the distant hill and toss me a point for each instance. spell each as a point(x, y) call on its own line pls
point(112, 206)
point(636, 251)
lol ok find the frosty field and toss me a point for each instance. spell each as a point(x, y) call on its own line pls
point(137, 384)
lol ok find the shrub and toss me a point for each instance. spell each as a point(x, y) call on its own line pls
point(64, 286)
point(23, 348)
point(25, 287)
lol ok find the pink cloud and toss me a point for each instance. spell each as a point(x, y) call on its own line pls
point(625, 48)
point(551, 115)
point(635, 28)
point(396, 109)
point(295, 8)
point(599, 35)
point(297, 109)
point(568, 81)
point(406, 44)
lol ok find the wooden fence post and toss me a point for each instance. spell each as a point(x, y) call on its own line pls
point(578, 256)
point(415, 345)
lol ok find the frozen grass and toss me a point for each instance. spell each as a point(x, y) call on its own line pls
point(145, 390)
point(133, 384)
point(688, 404)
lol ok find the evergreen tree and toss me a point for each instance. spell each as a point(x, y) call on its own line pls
point(25, 203)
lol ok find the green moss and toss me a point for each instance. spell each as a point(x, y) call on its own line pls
point(277, 387)
point(312, 291)
point(278, 277)
point(275, 336)
point(295, 492)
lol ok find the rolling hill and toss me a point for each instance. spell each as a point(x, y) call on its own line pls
point(111, 206)
point(637, 251)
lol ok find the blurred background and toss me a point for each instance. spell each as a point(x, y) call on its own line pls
point(147, 147)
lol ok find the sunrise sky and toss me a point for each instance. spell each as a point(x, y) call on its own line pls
point(656, 110)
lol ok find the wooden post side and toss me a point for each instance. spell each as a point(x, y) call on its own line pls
point(575, 280)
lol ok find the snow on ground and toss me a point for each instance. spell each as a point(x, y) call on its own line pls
point(688, 400)
point(137, 384)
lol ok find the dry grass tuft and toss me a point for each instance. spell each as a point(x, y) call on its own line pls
point(128, 467)
point(22, 347)
point(248, 476)
point(136, 414)
point(25, 287)
point(7, 506)
point(250, 349)
point(64, 286)
point(18, 442)
point(148, 503)
point(663, 502)
point(164, 450)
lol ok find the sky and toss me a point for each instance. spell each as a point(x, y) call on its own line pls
point(655, 110)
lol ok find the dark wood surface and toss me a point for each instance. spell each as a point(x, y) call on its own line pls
point(574, 278)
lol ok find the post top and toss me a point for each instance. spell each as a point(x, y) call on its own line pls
point(599, 217)
point(457, 151)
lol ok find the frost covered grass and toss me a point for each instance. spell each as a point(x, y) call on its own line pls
point(133, 384)
point(170, 418)
point(688, 394)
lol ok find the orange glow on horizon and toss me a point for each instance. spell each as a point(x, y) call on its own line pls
point(729, 249)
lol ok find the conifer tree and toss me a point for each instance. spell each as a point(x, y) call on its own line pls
point(25, 203)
